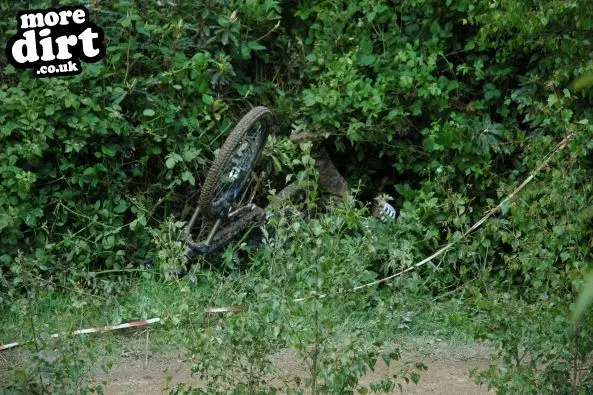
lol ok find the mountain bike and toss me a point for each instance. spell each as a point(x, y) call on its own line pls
point(225, 208)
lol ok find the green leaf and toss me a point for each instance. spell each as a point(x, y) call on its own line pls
point(20, 375)
point(187, 176)
point(32, 215)
point(505, 207)
point(207, 99)
point(317, 229)
point(170, 163)
point(254, 45)
point(190, 154)
point(584, 81)
point(89, 171)
point(49, 356)
point(121, 207)
point(200, 59)
point(585, 298)
point(109, 151)
point(172, 159)
point(149, 112)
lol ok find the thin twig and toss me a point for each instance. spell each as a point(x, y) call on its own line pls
point(560, 146)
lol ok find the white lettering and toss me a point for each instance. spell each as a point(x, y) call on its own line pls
point(78, 16)
point(29, 21)
point(72, 66)
point(27, 43)
point(63, 43)
point(46, 45)
point(37, 41)
point(64, 15)
point(87, 37)
point(51, 19)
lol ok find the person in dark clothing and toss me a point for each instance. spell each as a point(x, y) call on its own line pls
point(332, 181)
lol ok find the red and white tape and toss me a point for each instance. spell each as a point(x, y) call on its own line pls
point(131, 324)
point(233, 309)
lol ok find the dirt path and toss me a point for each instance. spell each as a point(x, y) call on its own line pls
point(447, 374)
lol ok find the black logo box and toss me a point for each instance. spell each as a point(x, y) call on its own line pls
point(59, 30)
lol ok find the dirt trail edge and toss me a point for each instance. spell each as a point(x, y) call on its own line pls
point(447, 374)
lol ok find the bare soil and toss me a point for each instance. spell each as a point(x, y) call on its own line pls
point(448, 369)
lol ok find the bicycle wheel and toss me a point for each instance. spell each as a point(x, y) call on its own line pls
point(231, 169)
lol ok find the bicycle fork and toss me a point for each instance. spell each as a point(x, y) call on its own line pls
point(212, 232)
point(215, 227)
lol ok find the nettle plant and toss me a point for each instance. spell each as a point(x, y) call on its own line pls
point(65, 364)
point(296, 305)
point(455, 103)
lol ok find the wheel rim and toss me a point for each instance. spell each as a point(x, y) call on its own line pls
point(235, 172)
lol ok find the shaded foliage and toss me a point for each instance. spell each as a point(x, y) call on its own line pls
point(447, 105)
point(88, 163)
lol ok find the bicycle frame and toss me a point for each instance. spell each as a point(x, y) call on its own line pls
point(206, 246)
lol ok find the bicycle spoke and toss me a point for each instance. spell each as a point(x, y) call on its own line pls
point(239, 163)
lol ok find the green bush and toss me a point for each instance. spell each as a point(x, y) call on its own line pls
point(88, 164)
point(447, 105)
point(336, 339)
point(454, 103)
